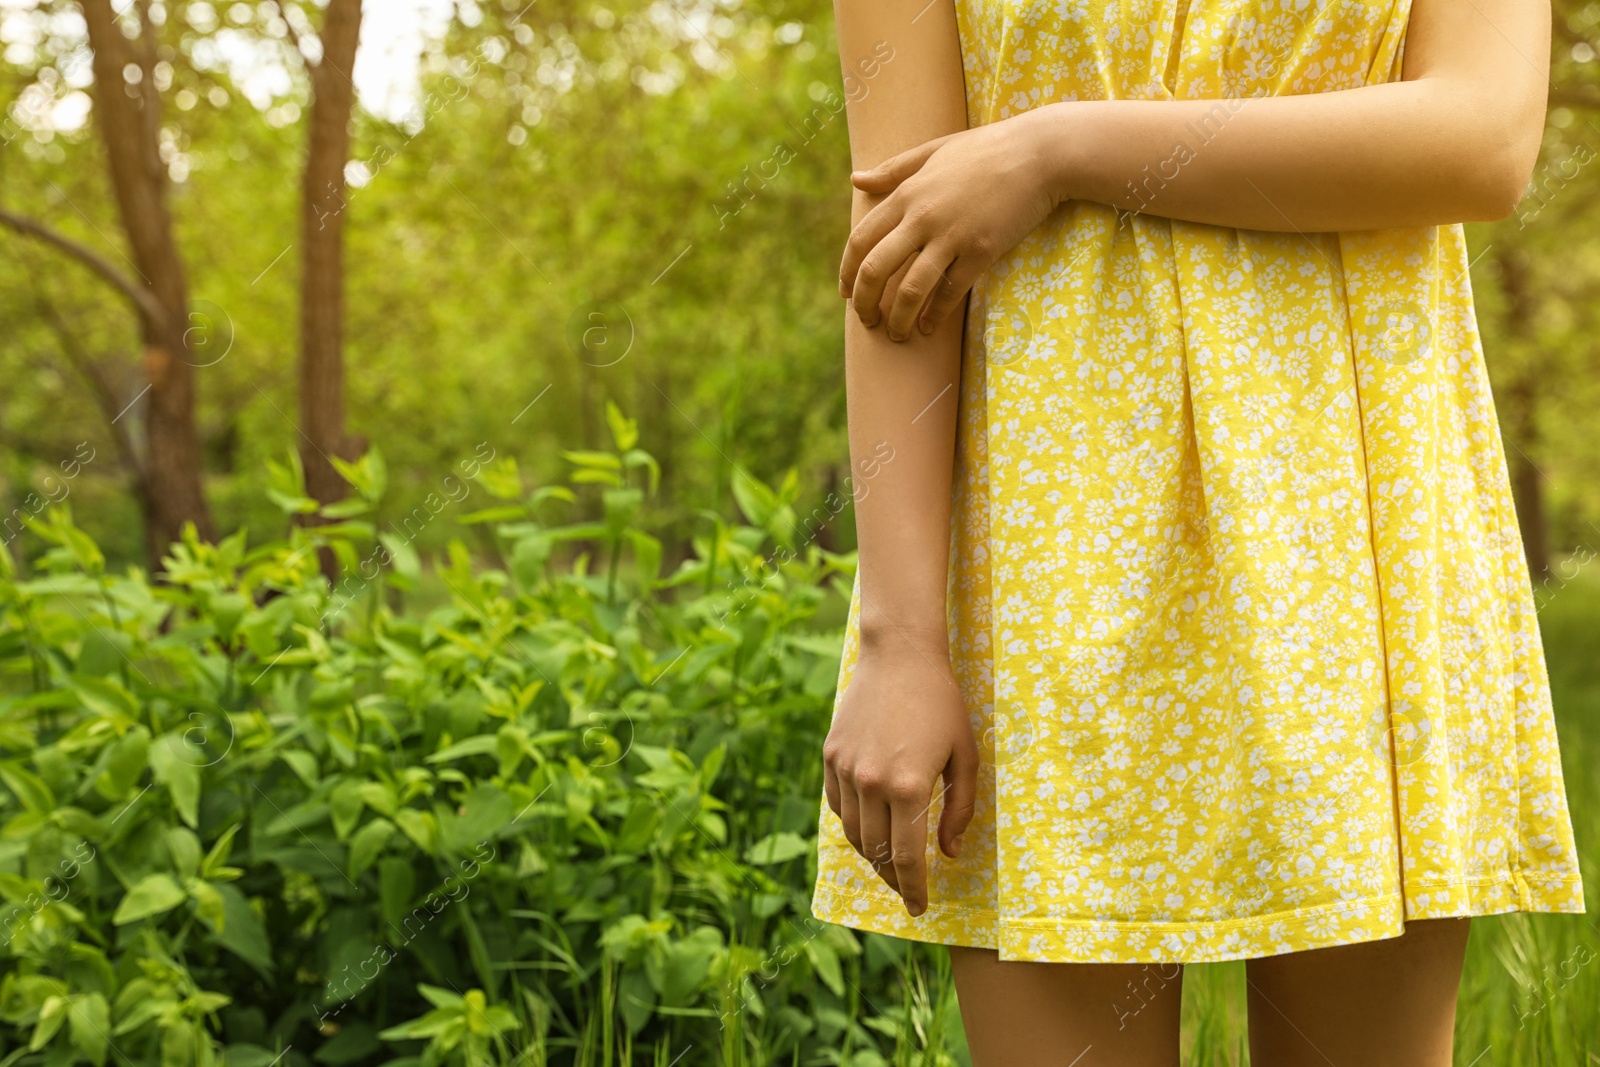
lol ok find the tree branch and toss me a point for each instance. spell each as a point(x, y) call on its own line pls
point(294, 35)
point(141, 297)
point(147, 38)
point(100, 385)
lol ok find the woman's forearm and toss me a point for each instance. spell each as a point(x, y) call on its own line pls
point(902, 422)
point(902, 66)
point(1454, 141)
point(1396, 154)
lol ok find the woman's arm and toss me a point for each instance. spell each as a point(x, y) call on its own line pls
point(901, 724)
point(1454, 141)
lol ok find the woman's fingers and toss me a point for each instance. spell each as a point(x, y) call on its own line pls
point(960, 796)
point(850, 811)
point(915, 290)
point(887, 258)
point(896, 169)
point(953, 287)
point(909, 836)
point(874, 226)
point(830, 786)
point(876, 844)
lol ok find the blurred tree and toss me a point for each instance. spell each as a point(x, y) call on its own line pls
point(128, 112)
point(333, 94)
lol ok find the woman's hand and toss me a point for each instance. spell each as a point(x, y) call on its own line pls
point(954, 205)
point(900, 727)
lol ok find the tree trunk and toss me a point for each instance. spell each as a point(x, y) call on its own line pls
point(1519, 405)
point(322, 434)
point(129, 118)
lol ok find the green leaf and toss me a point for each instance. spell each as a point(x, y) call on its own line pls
point(397, 882)
point(440, 998)
point(240, 1054)
point(379, 797)
point(402, 556)
point(368, 844)
point(678, 968)
point(503, 513)
point(484, 812)
point(636, 999)
point(624, 431)
point(345, 806)
point(778, 848)
point(604, 461)
point(347, 509)
point(356, 1041)
point(826, 963)
point(528, 560)
point(368, 475)
point(101, 653)
point(446, 1026)
point(756, 501)
point(421, 827)
point(51, 1016)
point(240, 930)
point(621, 506)
point(184, 848)
point(91, 1026)
point(151, 895)
point(29, 788)
point(227, 609)
point(294, 505)
point(501, 479)
point(647, 558)
point(208, 903)
point(303, 764)
point(171, 760)
point(480, 745)
point(359, 531)
point(217, 857)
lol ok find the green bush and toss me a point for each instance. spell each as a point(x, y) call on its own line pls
point(534, 804)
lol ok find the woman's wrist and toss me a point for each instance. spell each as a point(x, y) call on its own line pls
point(1061, 136)
point(883, 635)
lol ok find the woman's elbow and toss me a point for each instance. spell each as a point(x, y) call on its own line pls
point(1483, 184)
point(1501, 165)
point(1499, 191)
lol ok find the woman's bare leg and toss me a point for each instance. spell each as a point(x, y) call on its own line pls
point(1067, 1014)
point(1368, 1005)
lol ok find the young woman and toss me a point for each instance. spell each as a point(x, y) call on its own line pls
point(1191, 609)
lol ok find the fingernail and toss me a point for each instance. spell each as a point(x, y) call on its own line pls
point(915, 909)
point(955, 846)
point(896, 337)
point(923, 323)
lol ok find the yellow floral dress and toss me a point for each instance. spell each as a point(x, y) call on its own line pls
point(1238, 603)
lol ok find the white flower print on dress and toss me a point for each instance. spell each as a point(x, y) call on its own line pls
point(1237, 599)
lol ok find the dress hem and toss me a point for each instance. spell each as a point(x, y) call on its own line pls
point(1214, 941)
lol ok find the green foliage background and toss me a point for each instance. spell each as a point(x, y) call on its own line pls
point(524, 790)
point(549, 819)
point(474, 263)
